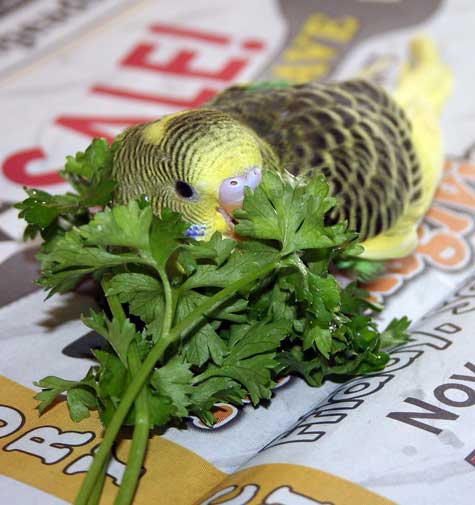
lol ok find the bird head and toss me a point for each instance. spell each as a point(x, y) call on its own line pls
point(196, 162)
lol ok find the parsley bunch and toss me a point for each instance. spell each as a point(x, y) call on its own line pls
point(189, 324)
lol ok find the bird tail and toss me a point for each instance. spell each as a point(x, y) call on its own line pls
point(424, 78)
point(425, 83)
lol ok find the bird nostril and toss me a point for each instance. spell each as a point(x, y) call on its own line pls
point(233, 182)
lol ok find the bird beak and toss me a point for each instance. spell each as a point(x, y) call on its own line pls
point(231, 191)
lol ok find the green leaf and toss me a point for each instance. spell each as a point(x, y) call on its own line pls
point(80, 402)
point(253, 373)
point(143, 293)
point(174, 381)
point(84, 249)
point(395, 333)
point(41, 208)
point(260, 338)
point(240, 263)
point(251, 359)
point(112, 376)
point(123, 226)
point(80, 394)
point(290, 212)
point(363, 333)
point(161, 409)
point(217, 249)
point(231, 311)
point(320, 337)
point(90, 175)
point(86, 164)
point(52, 388)
point(295, 361)
point(204, 343)
point(216, 389)
point(99, 194)
point(355, 300)
point(363, 270)
point(119, 333)
point(372, 362)
point(166, 235)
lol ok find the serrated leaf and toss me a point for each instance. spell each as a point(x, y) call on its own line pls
point(40, 208)
point(174, 381)
point(161, 409)
point(259, 338)
point(216, 249)
point(99, 194)
point(119, 333)
point(90, 175)
point(253, 373)
point(320, 337)
point(112, 376)
point(250, 359)
point(239, 264)
point(123, 226)
point(395, 333)
point(294, 361)
point(80, 403)
point(166, 235)
point(204, 343)
point(216, 389)
point(86, 164)
point(77, 392)
point(143, 293)
point(290, 212)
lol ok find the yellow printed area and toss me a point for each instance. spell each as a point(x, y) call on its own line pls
point(315, 49)
point(51, 453)
point(287, 485)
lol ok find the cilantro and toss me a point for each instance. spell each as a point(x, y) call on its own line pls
point(362, 270)
point(119, 333)
point(189, 324)
point(174, 381)
point(90, 175)
point(143, 293)
point(80, 395)
point(396, 333)
point(265, 214)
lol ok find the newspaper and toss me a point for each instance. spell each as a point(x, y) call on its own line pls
point(74, 69)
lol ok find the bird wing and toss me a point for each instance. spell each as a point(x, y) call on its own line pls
point(352, 132)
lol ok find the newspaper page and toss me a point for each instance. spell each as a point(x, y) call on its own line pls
point(71, 70)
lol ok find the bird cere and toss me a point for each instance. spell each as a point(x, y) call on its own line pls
point(278, 183)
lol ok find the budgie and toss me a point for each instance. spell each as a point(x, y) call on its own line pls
point(381, 155)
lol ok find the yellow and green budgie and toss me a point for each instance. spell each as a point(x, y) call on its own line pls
point(382, 155)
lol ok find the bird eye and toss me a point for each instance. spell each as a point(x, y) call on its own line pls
point(184, 189)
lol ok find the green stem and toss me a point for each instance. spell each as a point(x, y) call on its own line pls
point(96, 493)
point(114, 304)
point(169, 302)
point(141, 429)
point(216, 300)
point(148, 365)
point(138, 448)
